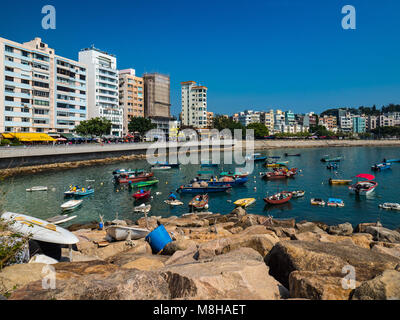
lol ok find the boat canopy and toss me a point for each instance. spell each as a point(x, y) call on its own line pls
point(334, 200)
point(366, 176)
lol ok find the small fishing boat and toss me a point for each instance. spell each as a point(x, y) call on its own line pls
point(235, 175)
point(142, 195)
point(119, 172)
point(142, 208)
point(39, 230)
point(84, 192)
point(208, 164)
point(279, 174)
point(275, 164)
point(279, 198)
point(161, 168)
point(166, 164)
point(338, 203)
point(390, 206)
point(71, 205)
point(199, 202)
point(292, 155)
point(174, 203)
point(327, 159)
point(332, 166)
point(125, 179)
point(193, 188)
point(143, 184)
point(34, 189)
point(339, 182)
point(381, 167)
point(71, 191)
point(121, 233)
point(392, 160)
point(298, 194)
point(364, 187)
point(234, 182)
point(60, 219)
point(256, 157)
point(244, 203)
point(318, 202)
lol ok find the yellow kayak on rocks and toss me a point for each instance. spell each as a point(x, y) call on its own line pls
point(244, 203)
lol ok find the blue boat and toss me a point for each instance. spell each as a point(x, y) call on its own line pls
point(256, 157)
point(207, 164)
point(84, 192)
point(213, 182)
point(381, 166)
point(393, 160)
point(202, 190)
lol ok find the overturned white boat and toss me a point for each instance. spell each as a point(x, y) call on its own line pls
point(390, 206)
point(121, 233)
point(142, 208)
point(38, 229)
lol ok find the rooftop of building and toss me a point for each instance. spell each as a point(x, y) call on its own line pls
point(92, 48)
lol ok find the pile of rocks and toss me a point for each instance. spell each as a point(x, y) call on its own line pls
point(236, 256)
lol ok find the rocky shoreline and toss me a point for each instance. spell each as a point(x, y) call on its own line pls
point(222, 257)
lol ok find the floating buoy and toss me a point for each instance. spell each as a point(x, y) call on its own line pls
point(255, 188)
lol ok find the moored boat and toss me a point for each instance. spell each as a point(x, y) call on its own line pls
point(256, 157)
point(298, 194)
point(279, 198)
point(390, 206)
point(338, 203)
point(142, 208)
point(84, 192)
point(142, 195)
point(381, 167)
point(199, 202)
point(327, 159)
point(292, 155)
point(35, 189)
point(364, 187)
point(244, 203)
point(318, 202)
point(208, 164)
point(174, 203)
point(166, 164)
point(339, 182)
point(71, 205)
point(124, 179)
point(193, 188)
point(332, 166)
point(143, 184)
point(161, 168)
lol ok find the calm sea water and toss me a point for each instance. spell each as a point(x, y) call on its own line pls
point(111, 200)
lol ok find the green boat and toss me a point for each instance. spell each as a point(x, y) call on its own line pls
point(327, 159)
point(144, 184)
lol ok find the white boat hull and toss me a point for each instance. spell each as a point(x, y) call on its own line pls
point(38, 229)
point(121, 233)
point(71, 205)
point(34, 189)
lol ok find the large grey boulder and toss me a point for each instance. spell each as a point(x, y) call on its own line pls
point(383, 287)
point(330, 258)
point(383, 234)
point(344, 229)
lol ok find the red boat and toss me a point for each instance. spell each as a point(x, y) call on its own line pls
point(280, 174)
point(279, 198)
point(135, 178)
point(142, 195)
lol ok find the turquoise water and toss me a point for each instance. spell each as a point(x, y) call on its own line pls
point(110, 200)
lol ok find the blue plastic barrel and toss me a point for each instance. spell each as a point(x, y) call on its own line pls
point(158, 239)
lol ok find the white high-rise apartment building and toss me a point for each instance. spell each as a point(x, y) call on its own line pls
point(103, 91)
point(40, 92)
point(194, 105)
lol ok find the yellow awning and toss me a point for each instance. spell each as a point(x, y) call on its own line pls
point(33, 137)
point(8, 136)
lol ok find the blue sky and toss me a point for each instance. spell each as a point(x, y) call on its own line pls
point(289, 54)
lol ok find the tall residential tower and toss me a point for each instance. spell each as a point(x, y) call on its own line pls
point(194, 105)
point(103, 91)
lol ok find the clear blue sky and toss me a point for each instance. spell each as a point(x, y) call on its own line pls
point(290, 54)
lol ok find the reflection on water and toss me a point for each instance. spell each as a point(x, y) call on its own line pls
point(111, 200)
